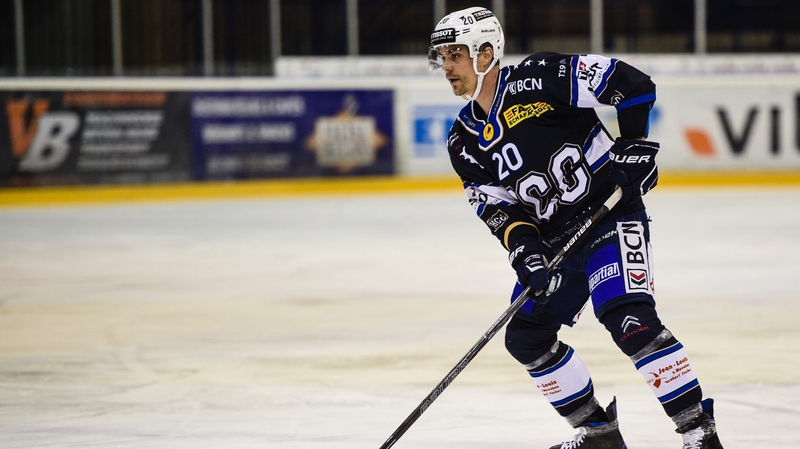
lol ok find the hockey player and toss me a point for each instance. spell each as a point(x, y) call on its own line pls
point(535, 160)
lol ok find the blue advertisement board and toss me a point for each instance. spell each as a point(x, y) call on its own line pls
point(273, 134)
point(432, 124)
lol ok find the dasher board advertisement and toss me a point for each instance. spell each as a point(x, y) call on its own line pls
point(277, 134)
point(83, 137)
point(732, 123)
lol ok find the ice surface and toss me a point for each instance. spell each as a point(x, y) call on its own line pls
point(322, 322)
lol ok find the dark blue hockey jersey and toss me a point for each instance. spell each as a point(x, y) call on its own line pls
point(539, 160)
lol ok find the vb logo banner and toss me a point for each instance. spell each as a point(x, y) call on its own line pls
point(39, 138)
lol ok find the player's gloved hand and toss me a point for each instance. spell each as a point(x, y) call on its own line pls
point(633, 167)
point(528, 259)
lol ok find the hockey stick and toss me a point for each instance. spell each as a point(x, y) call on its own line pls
point(515, 306)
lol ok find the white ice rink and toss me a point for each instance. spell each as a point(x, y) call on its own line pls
point(320, 323)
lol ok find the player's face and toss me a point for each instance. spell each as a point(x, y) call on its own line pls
point(458, 69)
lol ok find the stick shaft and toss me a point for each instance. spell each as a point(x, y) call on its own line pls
point(501, 321)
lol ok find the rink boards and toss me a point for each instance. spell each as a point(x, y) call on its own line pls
point(154, 131)
point(31, 196)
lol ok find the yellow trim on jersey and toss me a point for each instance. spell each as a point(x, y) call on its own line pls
point(514, 225)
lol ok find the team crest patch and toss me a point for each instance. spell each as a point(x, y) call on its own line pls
point(517, 113)
point(488, 132)
point(497, 219)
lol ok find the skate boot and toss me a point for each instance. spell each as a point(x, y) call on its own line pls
point(598, 435)
point(702, 432)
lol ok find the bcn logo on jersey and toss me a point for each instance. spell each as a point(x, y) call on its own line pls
point(518, 112)
point(526, 84)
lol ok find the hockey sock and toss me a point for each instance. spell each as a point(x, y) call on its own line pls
point(665, 366)
point(658, 356)
point(564, 380)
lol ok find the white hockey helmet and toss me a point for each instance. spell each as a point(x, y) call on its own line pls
point(471, 27)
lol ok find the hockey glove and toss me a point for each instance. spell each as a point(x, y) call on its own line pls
point(633, 167)
point(528, 260)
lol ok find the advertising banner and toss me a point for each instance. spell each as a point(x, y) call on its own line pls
point(739, 123)
point(269, 134)
point(82, 137)
point(431, 113)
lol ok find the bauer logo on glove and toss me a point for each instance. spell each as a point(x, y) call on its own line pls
point(633, 167)
point(631, 159)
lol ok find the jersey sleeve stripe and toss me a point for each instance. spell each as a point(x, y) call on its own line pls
point(573, 101)
point(514, 225)
point(646, 98)
point(596, 148)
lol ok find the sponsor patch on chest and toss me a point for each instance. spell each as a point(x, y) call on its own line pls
point(519, 112)
point(524, 84)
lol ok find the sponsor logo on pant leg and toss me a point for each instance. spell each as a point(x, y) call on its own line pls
point(635, 257)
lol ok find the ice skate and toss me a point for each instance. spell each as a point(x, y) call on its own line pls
point(702, 432)
point(598, 435)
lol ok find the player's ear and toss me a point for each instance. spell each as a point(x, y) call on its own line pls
point(485, 56)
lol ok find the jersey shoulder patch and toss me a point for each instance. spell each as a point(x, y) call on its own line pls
point(590, 78)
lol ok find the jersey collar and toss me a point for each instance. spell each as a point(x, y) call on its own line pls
point(489, 131)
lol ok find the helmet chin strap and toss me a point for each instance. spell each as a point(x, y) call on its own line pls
point(480, 78)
